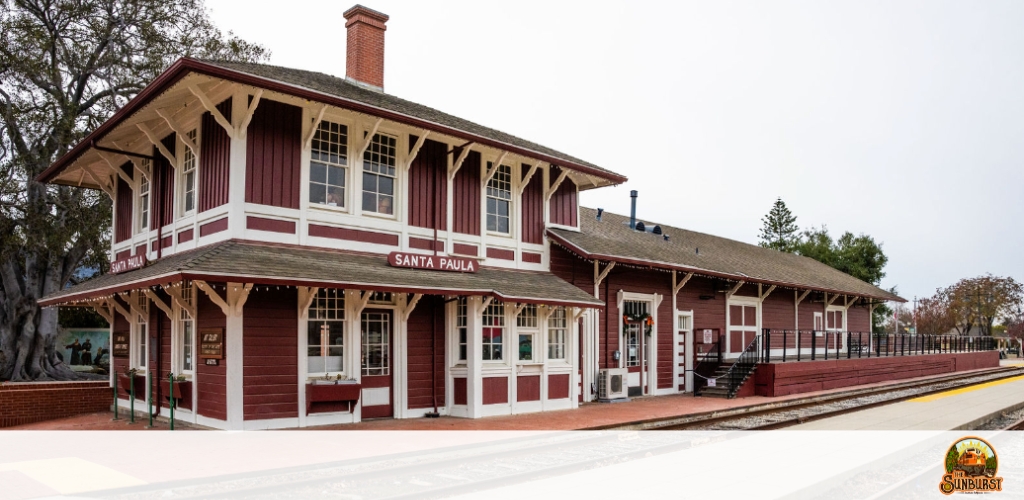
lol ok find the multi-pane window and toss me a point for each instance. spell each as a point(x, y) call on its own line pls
point(188, 174)
point(144, 202)
point(188, 329)
point(527, 317)
point(461, 310)
point(328, 164)
point(376, 328)
point(141, 320)
point(499, 199)
point(557, 327)
point(379, 175)
point(526, 347)
point(187, 341)
point(325, 348)
point(632, 334)
point(493, 321)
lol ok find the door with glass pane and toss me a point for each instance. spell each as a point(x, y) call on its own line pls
point(376, 364)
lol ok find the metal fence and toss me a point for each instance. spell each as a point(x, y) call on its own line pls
point(802, 345)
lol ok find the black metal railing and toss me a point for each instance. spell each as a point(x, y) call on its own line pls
point(744, 365)
point(784, 345)
point(706, 366)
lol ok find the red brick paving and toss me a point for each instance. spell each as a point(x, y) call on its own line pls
point(586, 416)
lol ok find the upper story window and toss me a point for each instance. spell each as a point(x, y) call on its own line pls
point(379, 175)
point(143, 210)
point(188, 177)
point(326, 333)
point(527, 317)
point(187, 330)
point(499, 199)
point(141, 330)
point(328, 164)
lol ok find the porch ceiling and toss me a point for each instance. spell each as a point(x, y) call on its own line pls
point(248, 262)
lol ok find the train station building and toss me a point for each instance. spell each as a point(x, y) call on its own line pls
point(299, 249)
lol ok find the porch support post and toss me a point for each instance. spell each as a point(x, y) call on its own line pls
point(236, 166)
point(677, 286)
point(474, 355)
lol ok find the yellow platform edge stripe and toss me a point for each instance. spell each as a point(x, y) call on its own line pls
point(954, 392)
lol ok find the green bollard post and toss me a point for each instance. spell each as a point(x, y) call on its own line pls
point(115, 396)
point(131, 396)
point(170, 383)
point(149, 378)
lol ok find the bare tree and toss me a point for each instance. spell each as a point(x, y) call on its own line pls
point(65, 66)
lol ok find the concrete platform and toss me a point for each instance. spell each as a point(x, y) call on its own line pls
point(951, 410)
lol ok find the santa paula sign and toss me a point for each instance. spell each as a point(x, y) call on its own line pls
point(432, 262)
point(128, 264)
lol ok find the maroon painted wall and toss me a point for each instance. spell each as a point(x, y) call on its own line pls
point(212, 384)
point(161, 211)
point(777, 310)
point(214, 160)
point(125, 202)
point(428, 186)
point(466, 190)
point(272, 156)
point(558, 386)
point(533, 207)
point(495, 390)
point(859, 319)
point(528, 388)
point(271, 347)
point(426, 321)
point(563, 201)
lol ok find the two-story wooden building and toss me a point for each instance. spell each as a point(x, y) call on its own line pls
point(302, 249)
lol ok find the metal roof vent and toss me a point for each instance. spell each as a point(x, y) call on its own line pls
point(599, 212)
point(640, 226)
point(656, 230)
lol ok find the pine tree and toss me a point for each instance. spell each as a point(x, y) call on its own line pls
point(779, 231)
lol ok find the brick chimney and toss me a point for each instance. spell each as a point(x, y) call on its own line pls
point(365, 53)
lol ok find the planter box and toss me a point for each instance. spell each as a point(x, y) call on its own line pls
point(329, 396)
point(123, 385)
point(182, 389)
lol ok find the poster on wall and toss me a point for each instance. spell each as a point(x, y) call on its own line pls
point(83, 349)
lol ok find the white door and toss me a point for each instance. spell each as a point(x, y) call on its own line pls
point(684, 331)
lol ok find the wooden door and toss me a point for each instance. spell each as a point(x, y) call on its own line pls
point(377, 373)
point(635, 357)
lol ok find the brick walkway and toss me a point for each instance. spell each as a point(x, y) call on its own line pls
point(588, 415)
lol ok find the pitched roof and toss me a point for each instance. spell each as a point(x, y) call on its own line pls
point(335, 91)
point(612, 239)
point(276, 264)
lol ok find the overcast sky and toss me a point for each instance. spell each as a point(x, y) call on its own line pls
point(897, 119)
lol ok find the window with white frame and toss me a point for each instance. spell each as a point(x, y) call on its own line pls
point(376, 336)
point(461, 317)
point(379, 162)
point(526, 323)
point(143, 200)
point(187, 330)
point(499, 199)
point(189, 168)
point(493, 321)
point(558, 326)
point(325, 347)
point(328, 164)
point(834, 320)
point(141, 330)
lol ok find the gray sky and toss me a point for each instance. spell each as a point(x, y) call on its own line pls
point(902, 120)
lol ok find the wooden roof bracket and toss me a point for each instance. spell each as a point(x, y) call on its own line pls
point(208, 104)
point(415, 151)
point(242, 128)
point(677, 287)
point(458, 161)
point(411, 305)
point(529, 175)
point(159, 145)
point(494, 169)
point(554, 187)
point(308, 140)
point(732, 291)
point(178, 129)
point(762, 296)
point(369, 138)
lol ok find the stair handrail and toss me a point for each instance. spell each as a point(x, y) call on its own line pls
point(743, 365)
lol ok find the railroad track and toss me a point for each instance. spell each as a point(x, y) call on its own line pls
point(779, 415)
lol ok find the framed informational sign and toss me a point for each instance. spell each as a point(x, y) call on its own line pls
point(707, 335)
point(211, 343)
point(121, 348)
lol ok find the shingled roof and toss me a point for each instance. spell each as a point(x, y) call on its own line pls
point(335, 91)
point(612, 239)
point(260, 263)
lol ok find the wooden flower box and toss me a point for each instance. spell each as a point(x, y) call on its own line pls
point(330, 397)
point(124, 385)
point(182, 389)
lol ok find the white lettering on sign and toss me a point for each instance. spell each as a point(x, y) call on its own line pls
point(127, 264)
point(432, 262)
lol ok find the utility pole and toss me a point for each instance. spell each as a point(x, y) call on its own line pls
point(915, 315)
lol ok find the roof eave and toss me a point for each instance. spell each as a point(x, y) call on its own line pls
point(183, 66)
point(718, 274)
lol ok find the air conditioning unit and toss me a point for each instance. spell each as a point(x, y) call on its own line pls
point(611, 384)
